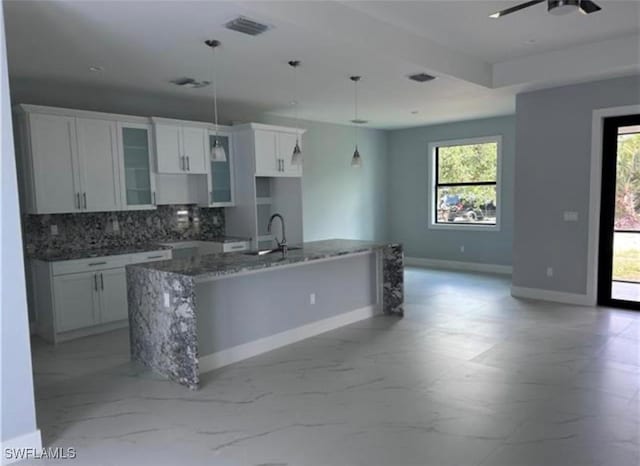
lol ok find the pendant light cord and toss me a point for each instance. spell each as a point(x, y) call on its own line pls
point(295, 90)
point(355, 85)
point(215, 92)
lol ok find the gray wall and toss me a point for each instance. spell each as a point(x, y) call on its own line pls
point(339, 202)
point(254, 306)
point(408, 194)
point(16, 386)
point(552, 170)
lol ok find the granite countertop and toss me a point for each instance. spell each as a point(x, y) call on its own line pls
point(217, 265)
point(65, 254)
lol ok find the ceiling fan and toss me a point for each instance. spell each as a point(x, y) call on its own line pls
point(555, 7)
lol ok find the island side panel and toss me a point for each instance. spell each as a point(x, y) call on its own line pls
point(163, 337)
point(393, 280)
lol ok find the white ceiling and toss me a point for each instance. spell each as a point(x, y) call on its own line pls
point(144, 44)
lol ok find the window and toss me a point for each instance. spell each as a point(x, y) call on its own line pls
point(465, 178)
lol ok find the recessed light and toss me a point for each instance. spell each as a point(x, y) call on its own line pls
point(96, 68)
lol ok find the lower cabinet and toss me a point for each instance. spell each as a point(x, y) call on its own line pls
point(72, 299)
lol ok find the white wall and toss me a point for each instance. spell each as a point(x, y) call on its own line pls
point(18, 426)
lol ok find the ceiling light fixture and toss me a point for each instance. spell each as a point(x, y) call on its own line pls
point(296, 157)
point(218, 153)
point(96, 68)
point(356, 160)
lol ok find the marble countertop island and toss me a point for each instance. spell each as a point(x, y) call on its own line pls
point(168, 298)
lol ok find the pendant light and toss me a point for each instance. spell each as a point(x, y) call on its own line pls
point(296, 156)
point(218, 153)
point(356, 160)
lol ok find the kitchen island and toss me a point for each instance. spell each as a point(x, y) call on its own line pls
point(189, 316)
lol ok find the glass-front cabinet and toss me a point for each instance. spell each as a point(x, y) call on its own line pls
point(137, 177)
point(220, 177)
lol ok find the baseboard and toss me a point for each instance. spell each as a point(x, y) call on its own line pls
point(263, 345)
point(31, 442)
point(458, 265)
point(553, 296)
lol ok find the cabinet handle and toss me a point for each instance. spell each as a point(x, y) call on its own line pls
point(155, 257)
point(101, 282)
point(78, 200)
point(154, 198)
point(240, 246)
point(84, 195)
point(91, 264)
point(95, 281)
point(188, 164)
point(182, 162)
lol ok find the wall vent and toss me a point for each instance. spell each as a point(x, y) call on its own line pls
point(247, 26)
point(421, 77)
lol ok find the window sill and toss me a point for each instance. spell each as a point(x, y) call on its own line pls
point(463, 227)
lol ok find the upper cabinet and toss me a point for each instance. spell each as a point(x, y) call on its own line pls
point(138, 183)
point(181, 147)
point(72, 161)
point(270, 148)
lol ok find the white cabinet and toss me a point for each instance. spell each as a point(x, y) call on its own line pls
point(98, 154)
point(75, 161)
point(113, 295)
point(50, 176)
point(271, 148)
point(180, 148)
point(75, 296)
point(137, 180)
point(81, 297)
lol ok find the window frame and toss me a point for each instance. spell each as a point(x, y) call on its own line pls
point(432, 191)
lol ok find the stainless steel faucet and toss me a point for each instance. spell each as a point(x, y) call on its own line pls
point(282, 245)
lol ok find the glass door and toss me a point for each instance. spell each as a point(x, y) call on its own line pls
point(619, 261)
point(220, 176)
point(139, 181)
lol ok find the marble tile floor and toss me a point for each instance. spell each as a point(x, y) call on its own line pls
point(470, 376)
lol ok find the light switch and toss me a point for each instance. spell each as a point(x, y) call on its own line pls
point(167, 301)
point(54, 230)
point(570, 216)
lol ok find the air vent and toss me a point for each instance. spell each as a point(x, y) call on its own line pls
point(421, 77)
point(190, 83)
point(247, 26)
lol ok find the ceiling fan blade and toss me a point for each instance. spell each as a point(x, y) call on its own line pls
point(513, 9)
point(587, 6)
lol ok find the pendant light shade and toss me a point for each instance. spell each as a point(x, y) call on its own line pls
point(296, 156)
point(218, 154)
point(356, 160)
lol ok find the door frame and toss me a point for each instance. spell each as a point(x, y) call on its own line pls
point(595, 192)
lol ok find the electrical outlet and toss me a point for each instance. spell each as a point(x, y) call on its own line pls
point(570, 216)
point(115, 225)
point(549, 271)
point(462, 248)
point(216, 220)
point(54, 230)
point(312, 298)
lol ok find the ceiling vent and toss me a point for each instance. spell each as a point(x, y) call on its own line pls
point(247, 26)
point(190, 83)
point(421, 77)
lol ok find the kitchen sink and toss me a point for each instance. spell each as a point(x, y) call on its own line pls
point(265, 252)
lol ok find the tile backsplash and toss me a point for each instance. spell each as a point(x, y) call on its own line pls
point(113, 229)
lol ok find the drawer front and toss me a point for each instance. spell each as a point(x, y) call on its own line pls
point(236, 246)
point(107, 262)
point(89, 265)
point(150, 256)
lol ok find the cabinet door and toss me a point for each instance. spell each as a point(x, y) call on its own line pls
point(194, 146)
point(220, 175)
point(136, 177)
point(98, 154)
point(266, 155)
point(75, 299)
point(113, 295)
point(55, 164)
point(286, 143)
point(168, 148)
